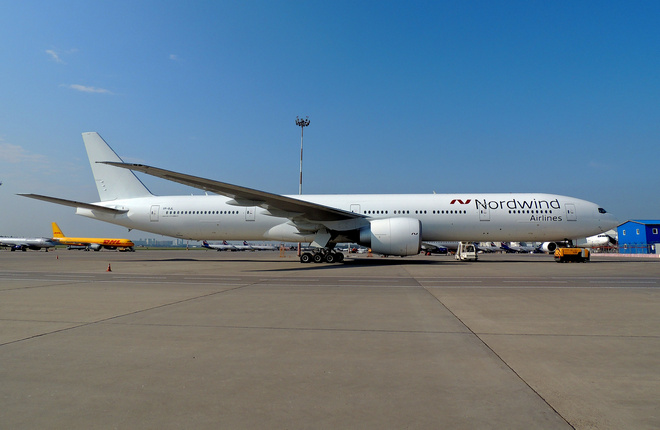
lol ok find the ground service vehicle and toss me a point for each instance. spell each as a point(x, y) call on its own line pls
point(578, 255)
point(466, 251)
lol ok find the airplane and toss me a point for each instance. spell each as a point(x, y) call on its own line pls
point(244, 246)
point(489, 247)
point(519, 247)
point(437, 247)
point(95, 243)
point(609, 238)
point(222, 247)
point(394, 224)
point(25, 243)
point(261, 247)
point(596, 241)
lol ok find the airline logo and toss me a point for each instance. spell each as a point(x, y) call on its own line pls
point(518, 204)
point(113, 242)
point(510, 204)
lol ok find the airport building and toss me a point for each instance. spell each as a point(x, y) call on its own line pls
point(639, 237)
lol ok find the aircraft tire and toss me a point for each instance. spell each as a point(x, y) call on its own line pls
point(318, 258)
point(306, 257)
point(330, 257)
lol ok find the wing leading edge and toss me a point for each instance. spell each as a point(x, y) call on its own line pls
point(276, 204)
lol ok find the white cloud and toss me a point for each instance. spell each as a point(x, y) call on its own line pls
point(54, 55)
point(174, 57)
point(86, 89)
point(15, 154)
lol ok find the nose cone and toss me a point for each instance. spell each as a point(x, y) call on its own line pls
point(607, 221)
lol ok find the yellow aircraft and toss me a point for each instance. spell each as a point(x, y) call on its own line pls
point(94, 243)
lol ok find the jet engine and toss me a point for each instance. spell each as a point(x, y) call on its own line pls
point(548, 247)
point(393, 236)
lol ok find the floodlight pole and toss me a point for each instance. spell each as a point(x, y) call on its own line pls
point(302, 123)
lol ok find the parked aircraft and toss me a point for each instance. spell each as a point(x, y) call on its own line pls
point(261, 247)
point(25, 243)
point(520, 247)
point(599, 240)
point(95, 243)
point(388, 224)
point(609, 238)
point(489, 247)
point(245, 246)
point(219, 247)
point(438, 247)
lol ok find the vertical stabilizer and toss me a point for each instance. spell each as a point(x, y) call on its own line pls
point(57, 233)
point(112, 182)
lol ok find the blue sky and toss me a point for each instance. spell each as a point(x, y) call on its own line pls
point(403, 97)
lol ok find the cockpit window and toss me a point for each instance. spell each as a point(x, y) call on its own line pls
point(602, 211)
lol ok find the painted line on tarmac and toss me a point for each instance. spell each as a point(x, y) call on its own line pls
point(538, 282)
point(624, 281)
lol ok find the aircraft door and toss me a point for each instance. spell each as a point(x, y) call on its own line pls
point(250, 213)
point(154, 213)
point(571, 214)
point(355, 208)
point(484, 214)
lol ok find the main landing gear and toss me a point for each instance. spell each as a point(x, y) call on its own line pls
point(322, 255)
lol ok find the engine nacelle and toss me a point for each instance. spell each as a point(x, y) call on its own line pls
point(393, 236)
point(95, 246)
point(549, 247)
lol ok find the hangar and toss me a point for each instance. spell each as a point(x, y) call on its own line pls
point(639, 237)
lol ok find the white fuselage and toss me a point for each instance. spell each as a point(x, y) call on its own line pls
point(444, 217)
point(28, 242)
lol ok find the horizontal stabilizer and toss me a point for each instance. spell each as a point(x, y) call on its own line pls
point(75, 204)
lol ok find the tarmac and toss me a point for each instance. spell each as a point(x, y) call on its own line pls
point(251, 340)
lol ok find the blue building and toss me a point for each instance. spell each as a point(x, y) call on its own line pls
point(639, 237)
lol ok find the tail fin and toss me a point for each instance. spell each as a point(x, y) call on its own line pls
point(205, 244)
point(57, 233)
point(112, 183)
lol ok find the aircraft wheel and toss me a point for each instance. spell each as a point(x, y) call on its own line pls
point(318, 258)
point(306, 257)
point(330, 257)
point(339, 257)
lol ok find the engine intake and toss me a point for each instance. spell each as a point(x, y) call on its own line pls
point(393, 236)
point(549, 247)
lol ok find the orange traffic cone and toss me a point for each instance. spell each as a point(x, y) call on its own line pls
point(109, 269)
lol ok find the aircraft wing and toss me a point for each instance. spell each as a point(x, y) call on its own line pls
point(74, 203)
point(276, 204)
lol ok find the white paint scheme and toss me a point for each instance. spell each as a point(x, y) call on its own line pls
point(598, 240)
point(25, 243)
point(245, 214)
point(224, 246)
